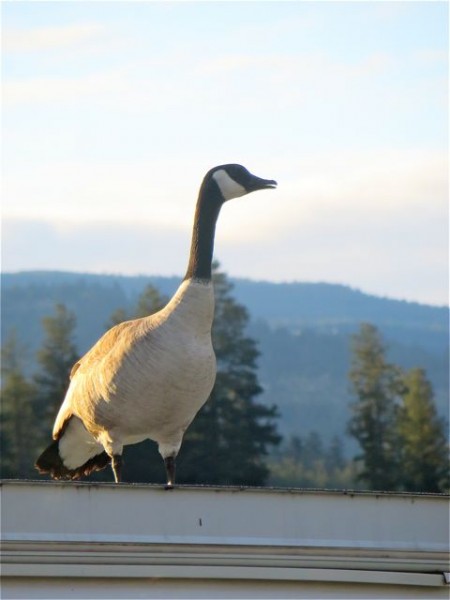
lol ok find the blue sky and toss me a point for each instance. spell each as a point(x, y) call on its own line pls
point(113, 112)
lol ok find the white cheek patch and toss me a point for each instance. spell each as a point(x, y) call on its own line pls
point(229, 187)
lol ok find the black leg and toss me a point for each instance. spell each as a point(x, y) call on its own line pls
point(116, 465)
point(170, 471)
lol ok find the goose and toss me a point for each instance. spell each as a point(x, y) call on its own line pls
point(147, 378)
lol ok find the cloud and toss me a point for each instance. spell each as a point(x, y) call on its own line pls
point(349, 191)
point(430, 57)
point(298, 66)
point(378, 223)
point(315, 189)
point(288, 79)
point(98, 246)
point(117, 191)
point(49, 38)
point(47, 90)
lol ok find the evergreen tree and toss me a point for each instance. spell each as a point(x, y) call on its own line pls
point(294, 448)
point(56, 358)
point(19, 432)
point(149, 302)
point(425, 458)
point(307, 463)
point(378, 386)
point(313, 449)
point(229, 439)
point(334, 456)
point(118, 316)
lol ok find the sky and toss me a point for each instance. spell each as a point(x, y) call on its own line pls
point(112, 112)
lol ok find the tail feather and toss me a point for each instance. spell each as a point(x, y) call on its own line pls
point(50, 462)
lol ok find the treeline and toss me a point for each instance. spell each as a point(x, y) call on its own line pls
point(306, 462)
point(234, 438)
point(403, 441)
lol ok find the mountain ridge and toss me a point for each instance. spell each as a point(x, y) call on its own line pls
point(327, 306)
point(36, 274)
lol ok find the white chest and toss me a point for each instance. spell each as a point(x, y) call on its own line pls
point(170, 371)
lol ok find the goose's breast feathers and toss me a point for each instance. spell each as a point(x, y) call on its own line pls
point(148, 376)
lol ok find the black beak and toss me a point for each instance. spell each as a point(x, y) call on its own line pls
point(257, 183)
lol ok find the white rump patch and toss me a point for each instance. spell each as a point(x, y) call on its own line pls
point(77, 445)
point(228, 186)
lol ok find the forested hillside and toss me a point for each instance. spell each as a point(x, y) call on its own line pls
point(302, 329)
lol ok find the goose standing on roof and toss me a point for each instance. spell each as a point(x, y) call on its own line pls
point(147, 378)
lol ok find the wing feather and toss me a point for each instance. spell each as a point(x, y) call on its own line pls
point(118, 338)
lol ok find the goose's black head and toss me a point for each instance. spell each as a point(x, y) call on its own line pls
point(235, 180)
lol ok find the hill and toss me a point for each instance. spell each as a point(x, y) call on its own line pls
point(303, 331)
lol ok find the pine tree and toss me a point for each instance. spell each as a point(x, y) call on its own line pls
point(425, 457)
point(313, 450)
point(378, 386)
point(149, 302)
point(19, 432)
point(229, 439)
point(334, 456)
point(118, 316)
point(56, 358)
point(308, 463)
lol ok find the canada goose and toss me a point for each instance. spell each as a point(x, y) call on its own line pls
point(147, 378)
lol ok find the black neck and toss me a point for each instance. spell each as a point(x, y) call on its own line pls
point(207, 211)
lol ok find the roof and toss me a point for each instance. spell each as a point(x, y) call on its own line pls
point(224, 531)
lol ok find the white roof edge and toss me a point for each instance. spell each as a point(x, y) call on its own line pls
point(90, 530)
point(229, 488)
point(73, 528)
